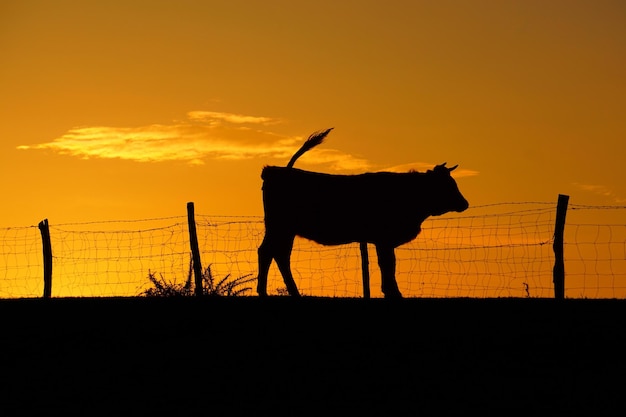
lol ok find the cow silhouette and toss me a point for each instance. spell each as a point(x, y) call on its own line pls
point(382, 208)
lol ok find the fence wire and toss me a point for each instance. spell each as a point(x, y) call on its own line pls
point(496, 250)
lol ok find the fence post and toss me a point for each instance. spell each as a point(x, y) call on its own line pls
point(366, 271)
point(195, 251)
point(558, 272)
point(47, 258)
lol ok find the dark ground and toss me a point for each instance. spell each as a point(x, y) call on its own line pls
point(280, 356)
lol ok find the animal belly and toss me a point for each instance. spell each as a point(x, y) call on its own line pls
point(345, 229)
point(336, 231)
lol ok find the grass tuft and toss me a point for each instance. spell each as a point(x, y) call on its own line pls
point(225, 287)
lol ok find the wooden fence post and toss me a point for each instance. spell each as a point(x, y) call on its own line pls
point(47, 258)
point(365, 268)
point(558, 272)
point(195, 251)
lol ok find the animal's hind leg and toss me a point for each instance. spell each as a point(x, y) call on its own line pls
point(387, 264)
point(283, 259)
point(266, 255)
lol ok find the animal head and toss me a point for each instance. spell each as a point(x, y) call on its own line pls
point(448, 197)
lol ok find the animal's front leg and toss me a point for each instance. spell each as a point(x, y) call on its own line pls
point(387, 264)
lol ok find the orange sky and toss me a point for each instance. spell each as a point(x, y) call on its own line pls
point(129, 109)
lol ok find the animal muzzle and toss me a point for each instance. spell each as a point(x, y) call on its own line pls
point(463, 205)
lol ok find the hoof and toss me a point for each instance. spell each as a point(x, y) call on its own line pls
point(393, 295)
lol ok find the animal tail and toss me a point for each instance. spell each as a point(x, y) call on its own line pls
point(315, 139)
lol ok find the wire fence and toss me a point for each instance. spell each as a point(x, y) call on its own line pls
point(497, 250)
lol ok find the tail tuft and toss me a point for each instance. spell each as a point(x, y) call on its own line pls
point(315, 139)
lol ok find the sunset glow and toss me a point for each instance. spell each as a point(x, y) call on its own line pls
point(202, 136)
point(124, 110)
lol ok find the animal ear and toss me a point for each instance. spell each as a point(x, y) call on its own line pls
point(441, 166)
point(453, 168)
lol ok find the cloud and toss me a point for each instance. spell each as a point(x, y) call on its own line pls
point(335, 160)
point(597, 189)
point(602, 190)
point(203, 135)
point(423, 166)
point(214, 117)
point(206, 135)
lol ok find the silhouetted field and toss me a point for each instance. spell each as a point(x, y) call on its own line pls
point(284, 356)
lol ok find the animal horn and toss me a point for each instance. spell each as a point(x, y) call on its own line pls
point(453, 168)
